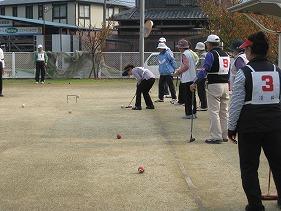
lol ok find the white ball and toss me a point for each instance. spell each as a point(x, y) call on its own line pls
point(122, 106)
point(22, 105)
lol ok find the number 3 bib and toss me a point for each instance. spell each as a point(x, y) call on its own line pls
point(266, 87)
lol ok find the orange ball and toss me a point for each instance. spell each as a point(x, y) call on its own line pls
point(141, 169)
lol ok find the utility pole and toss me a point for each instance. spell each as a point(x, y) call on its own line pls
point(104, 13)
point(142, 15)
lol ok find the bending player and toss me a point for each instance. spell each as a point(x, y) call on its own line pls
point(145, 82)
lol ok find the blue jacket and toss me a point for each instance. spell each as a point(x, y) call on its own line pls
point(167, 63)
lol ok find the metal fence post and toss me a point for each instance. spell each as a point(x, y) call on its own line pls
point(121, 63)
point(13, 65)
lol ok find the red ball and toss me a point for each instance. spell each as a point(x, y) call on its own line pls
point(118, 136)
point(141, 169)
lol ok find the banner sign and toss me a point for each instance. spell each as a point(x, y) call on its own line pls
point(20, 30)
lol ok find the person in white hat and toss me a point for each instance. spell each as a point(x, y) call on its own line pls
point(167, 66)
point(201, 86)
point(216, 66)
point(41, 60)
point(2, 65)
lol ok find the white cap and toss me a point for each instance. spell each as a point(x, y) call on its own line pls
point(200, 46)
point(162, 45)
point(213, 38)
point(40, 46)
point(162, 39)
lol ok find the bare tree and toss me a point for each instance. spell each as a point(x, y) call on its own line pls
point(230, 26)
point(93, 41)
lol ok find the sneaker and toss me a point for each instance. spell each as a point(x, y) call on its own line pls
point(213, 141)
point(36, 82)
point(173, 101)
point(225, 140)
point(254, 208)
point(136, 108)
point(190, 116)
point(167, 96)
point(1, 95)
point(159, 101)
point(202, 109)
point(42, 82)
point(149, 107)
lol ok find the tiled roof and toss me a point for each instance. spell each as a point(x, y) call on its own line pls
point(14, 2)
point(174, 13)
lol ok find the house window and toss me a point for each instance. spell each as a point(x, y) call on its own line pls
point(29, 12)
point(84, 15)
point(60, 13)
point(15, 11)
point(2, 10)
point(110, 12)
point(40, 12)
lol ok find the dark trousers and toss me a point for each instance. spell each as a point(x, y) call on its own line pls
point(250, 145)
point(182, 93)
point(144, 88)
point(201, 87)
point(40, 70)
point(166, 79)
point(1, 78)
point(166, 89)
point(188, 99)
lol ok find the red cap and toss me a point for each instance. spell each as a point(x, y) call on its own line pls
point(246, 44)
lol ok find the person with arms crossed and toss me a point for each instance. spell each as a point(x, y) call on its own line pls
point(167, 66)
point(255, 114)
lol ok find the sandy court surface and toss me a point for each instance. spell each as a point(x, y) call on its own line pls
point(56, 155)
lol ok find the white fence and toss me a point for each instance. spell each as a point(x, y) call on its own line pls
point(77, 65)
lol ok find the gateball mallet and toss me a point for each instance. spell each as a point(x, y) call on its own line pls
point(192, 139)
point(130, 106)
point(268, 196)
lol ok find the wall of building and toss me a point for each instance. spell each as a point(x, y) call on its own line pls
point(71, 13)
point(9, 11)
point(35, 11)
point(97, 15)
point(49, 12)
point(21, 11)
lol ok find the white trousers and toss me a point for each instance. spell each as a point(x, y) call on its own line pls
point(218, 97)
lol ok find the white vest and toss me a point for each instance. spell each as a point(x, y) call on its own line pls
point(2, 57)
point(190, 74)
point(266, 87)
point(224, 65)
point(41, 56)
point(233, 69)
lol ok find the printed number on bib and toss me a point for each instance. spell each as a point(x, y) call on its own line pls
point(266, 88)
point(268, 83)
point(224, 65)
